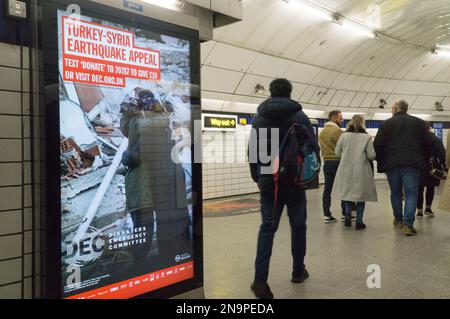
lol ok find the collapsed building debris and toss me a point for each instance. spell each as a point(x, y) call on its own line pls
point(76, 161)
point(104, 130)
point(73, 187)
point(96, 201)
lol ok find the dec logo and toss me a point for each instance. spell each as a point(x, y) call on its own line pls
point(87, 249)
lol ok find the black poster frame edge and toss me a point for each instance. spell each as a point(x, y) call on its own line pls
point(51, 251)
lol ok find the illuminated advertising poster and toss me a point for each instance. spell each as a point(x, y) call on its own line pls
point(126, 176)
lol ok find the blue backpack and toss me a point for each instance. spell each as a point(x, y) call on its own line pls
point(297, 165)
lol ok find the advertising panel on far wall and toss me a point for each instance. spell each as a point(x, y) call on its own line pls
point(126, 173)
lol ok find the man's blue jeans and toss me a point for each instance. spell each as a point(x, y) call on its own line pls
point(404, 179)
point(360, 206)
point(295, 200)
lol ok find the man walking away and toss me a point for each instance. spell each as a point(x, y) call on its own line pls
point(328, 139)
point(276, 115)
point(402, 145)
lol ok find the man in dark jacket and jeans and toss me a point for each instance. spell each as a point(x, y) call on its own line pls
point(275, 116)
point(402, 145)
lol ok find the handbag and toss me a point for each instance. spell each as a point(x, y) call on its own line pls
point(438, 174)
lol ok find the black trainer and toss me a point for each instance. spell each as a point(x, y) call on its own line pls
point(261, 290)
point(429, 212)
point(419, 214)
point(348, 222)
point(329, 219)
point(360, 226)
point(300, 278)
point(343, 218)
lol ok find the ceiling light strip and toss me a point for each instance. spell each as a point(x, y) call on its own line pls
point(363, 29)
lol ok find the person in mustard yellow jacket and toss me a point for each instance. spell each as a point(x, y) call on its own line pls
point(328, 140)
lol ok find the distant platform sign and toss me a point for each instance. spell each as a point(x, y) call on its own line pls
point(219, 122)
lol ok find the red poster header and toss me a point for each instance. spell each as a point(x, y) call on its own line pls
point(96, 54)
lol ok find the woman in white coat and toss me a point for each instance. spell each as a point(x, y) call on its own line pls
point(355, 180)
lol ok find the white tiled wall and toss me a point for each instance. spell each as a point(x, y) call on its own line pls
point(225, 165)
point(445, 139)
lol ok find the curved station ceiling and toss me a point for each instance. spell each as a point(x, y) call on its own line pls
point(346, 54)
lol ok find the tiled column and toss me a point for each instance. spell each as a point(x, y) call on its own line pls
point(16, 255)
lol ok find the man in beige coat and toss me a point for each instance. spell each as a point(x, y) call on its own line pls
point(444, 202)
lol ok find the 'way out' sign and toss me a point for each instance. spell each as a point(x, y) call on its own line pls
point(219, 122)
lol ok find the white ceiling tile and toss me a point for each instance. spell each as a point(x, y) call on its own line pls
point(368, 100)
point(390, 86)
point(325, 77)
point(308, 93)
point(230, 57)
point(303, 73)
point(212, 105)
point(269, 66)
point(349, 81)
point(339, 81)
point(446, 103)
point(297, 90)
point(337, 98)
point(347, 99)
point(315, 98)
point(410, 87)
point(205, 49)
point(237, 107)
point(359, 82)
point(219, 80)
point(326, 98)
point(442, 89)
point(379, 85)
point(368, 85)
point(358, 99)
point(247, 99)
point(209, 95)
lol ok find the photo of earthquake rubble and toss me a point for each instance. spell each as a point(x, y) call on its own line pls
point(126, 206)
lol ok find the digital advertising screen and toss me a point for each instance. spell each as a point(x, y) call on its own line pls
point(126, 177)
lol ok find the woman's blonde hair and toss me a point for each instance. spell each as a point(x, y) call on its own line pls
point(357, 124)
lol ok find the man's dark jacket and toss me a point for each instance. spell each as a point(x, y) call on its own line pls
point(274, 113)
point(402, 141)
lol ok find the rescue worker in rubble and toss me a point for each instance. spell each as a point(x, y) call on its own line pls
point(154, 182)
